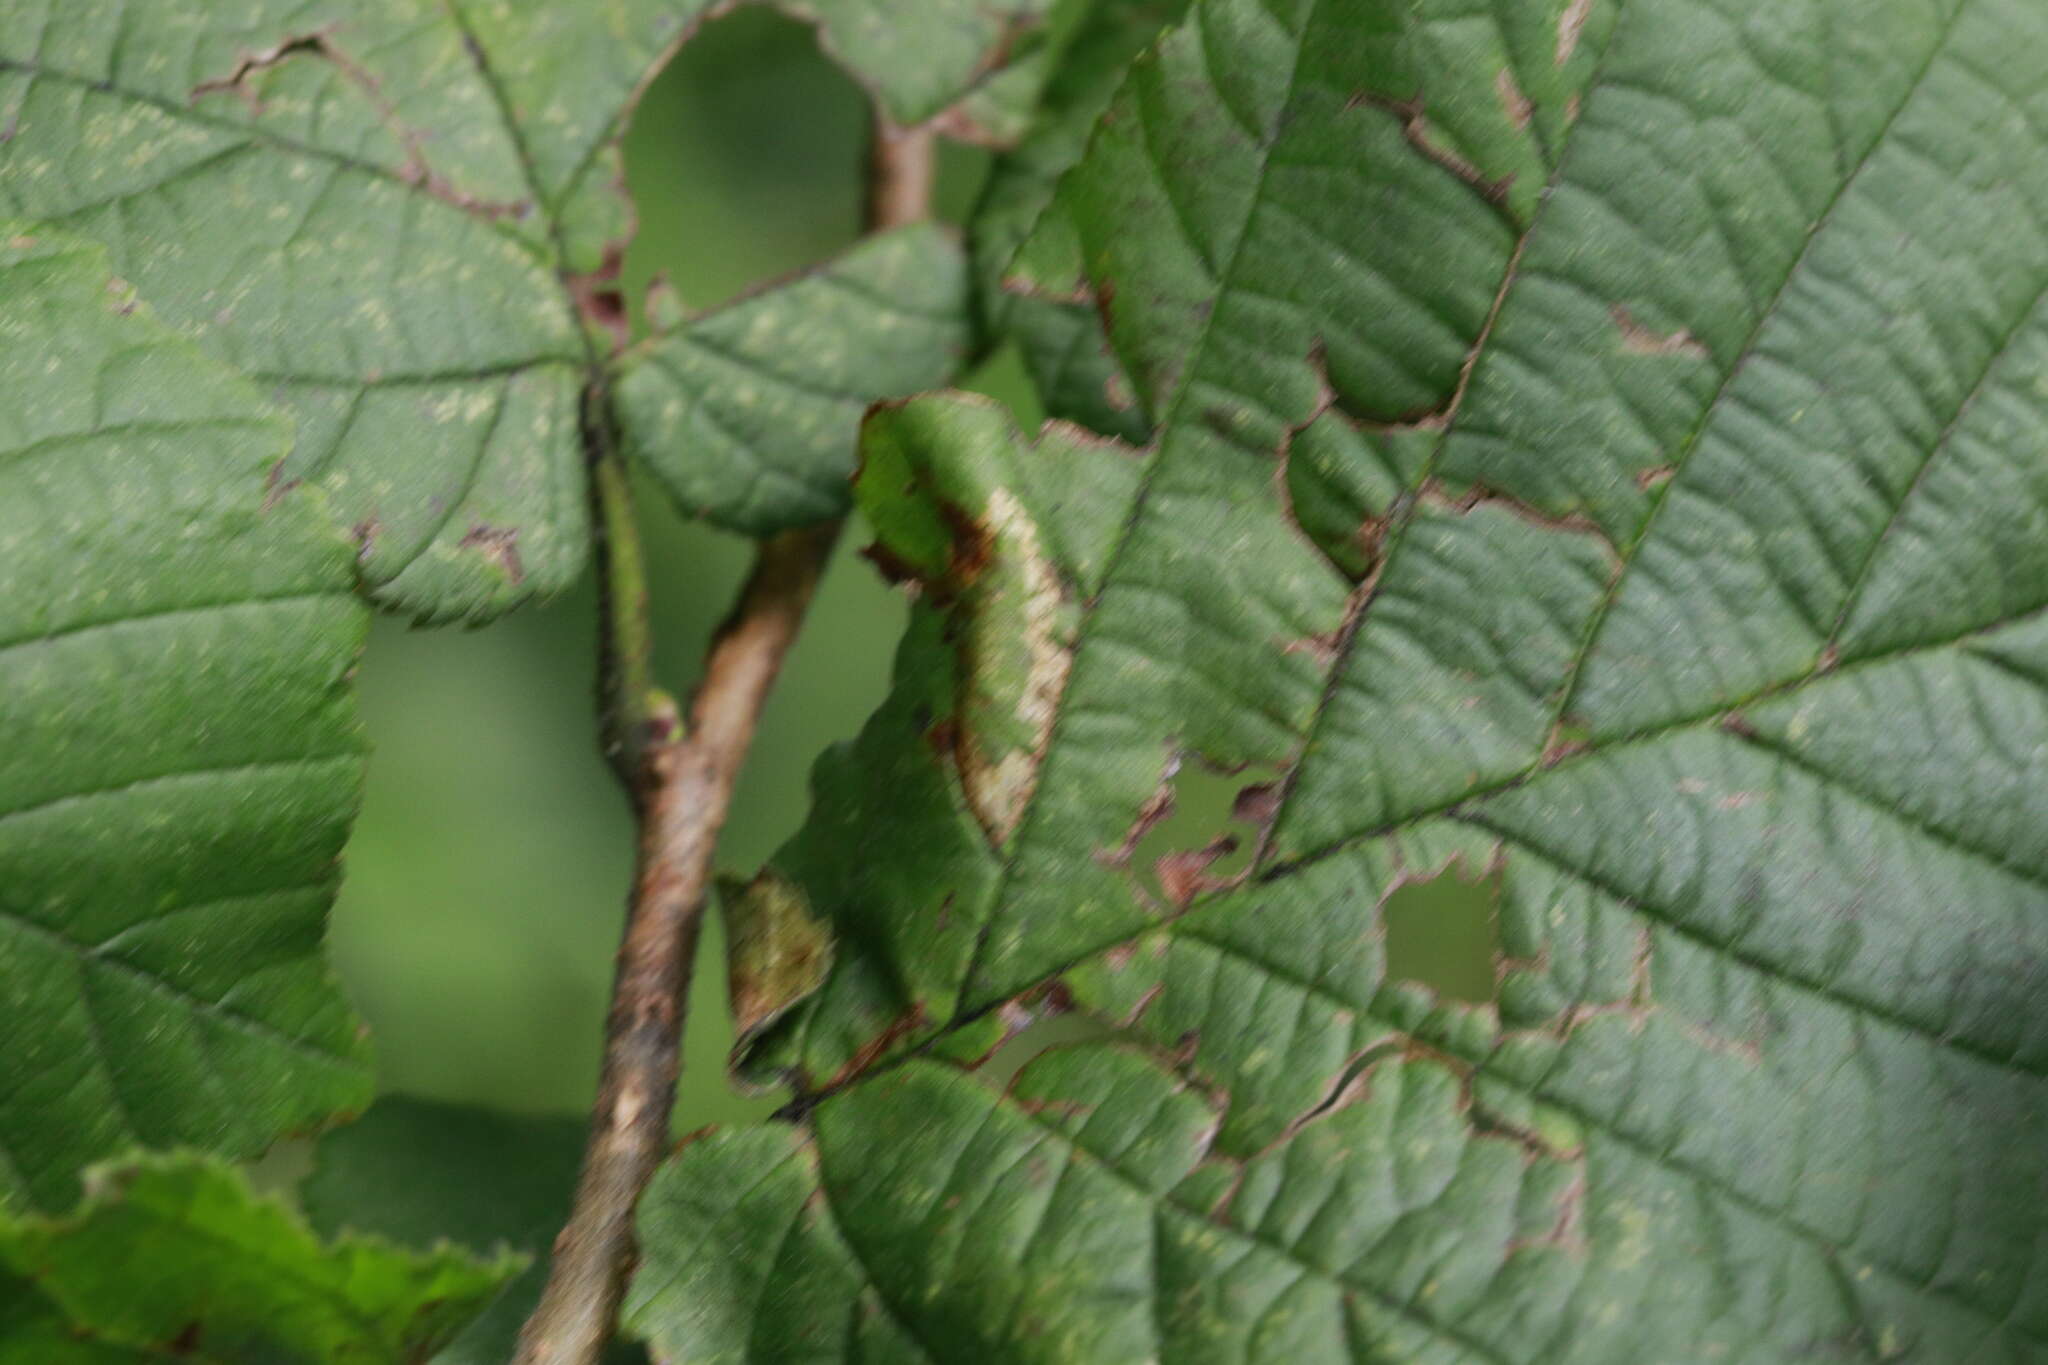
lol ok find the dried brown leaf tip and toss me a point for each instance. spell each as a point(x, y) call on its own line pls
point(777, 951)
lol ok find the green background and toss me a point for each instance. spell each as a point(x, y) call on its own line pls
point(488, 872)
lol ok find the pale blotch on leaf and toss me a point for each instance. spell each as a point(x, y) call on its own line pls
point(1010, 710)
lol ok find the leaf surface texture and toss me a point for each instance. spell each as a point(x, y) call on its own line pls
point(179, 758)
point(1593, 447)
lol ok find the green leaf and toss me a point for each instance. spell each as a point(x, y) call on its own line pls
point(749, 415)
point(1080, 1216)
point(920, 57)
point(174, 1258)
point(740, 1261)
point(401, 217)
point(421, 1173)
point(1677, 368)
point(1030, 281)
point(36, 1330)
point(179, 759)
point(381, 212)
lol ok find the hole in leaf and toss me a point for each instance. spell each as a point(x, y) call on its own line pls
point(1206, 835)
point(746, 157)
point(758, 139)
point(1036, 1039)
point(1442, 933)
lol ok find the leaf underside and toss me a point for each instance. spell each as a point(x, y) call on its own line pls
point(178, 752)
point(1595, 446)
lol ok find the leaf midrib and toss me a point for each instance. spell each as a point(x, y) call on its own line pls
point(1192, 933)
point(1168, 424)
point(165, 613)
point(551, 222)
point(1568, 692)
point(257, 134)
point(87, 953)
point(1163, 1203)
point(127, 784)
point(1568, 688)
point(1720, 713)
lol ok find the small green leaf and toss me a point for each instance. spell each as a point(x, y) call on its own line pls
point(401, 218)
point(1030, 281)
point(743, 1263)
point(749, 414)
point(179, 758)
point(422, 1173)
point(922, 56)
point(175, 1258)
point(384, 214)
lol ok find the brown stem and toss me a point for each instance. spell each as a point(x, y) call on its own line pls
point(681, 782)
point(902, 166)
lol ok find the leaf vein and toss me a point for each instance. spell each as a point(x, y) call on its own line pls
point(1679, 459)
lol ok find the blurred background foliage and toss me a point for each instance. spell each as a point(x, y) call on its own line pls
point(488, 872)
